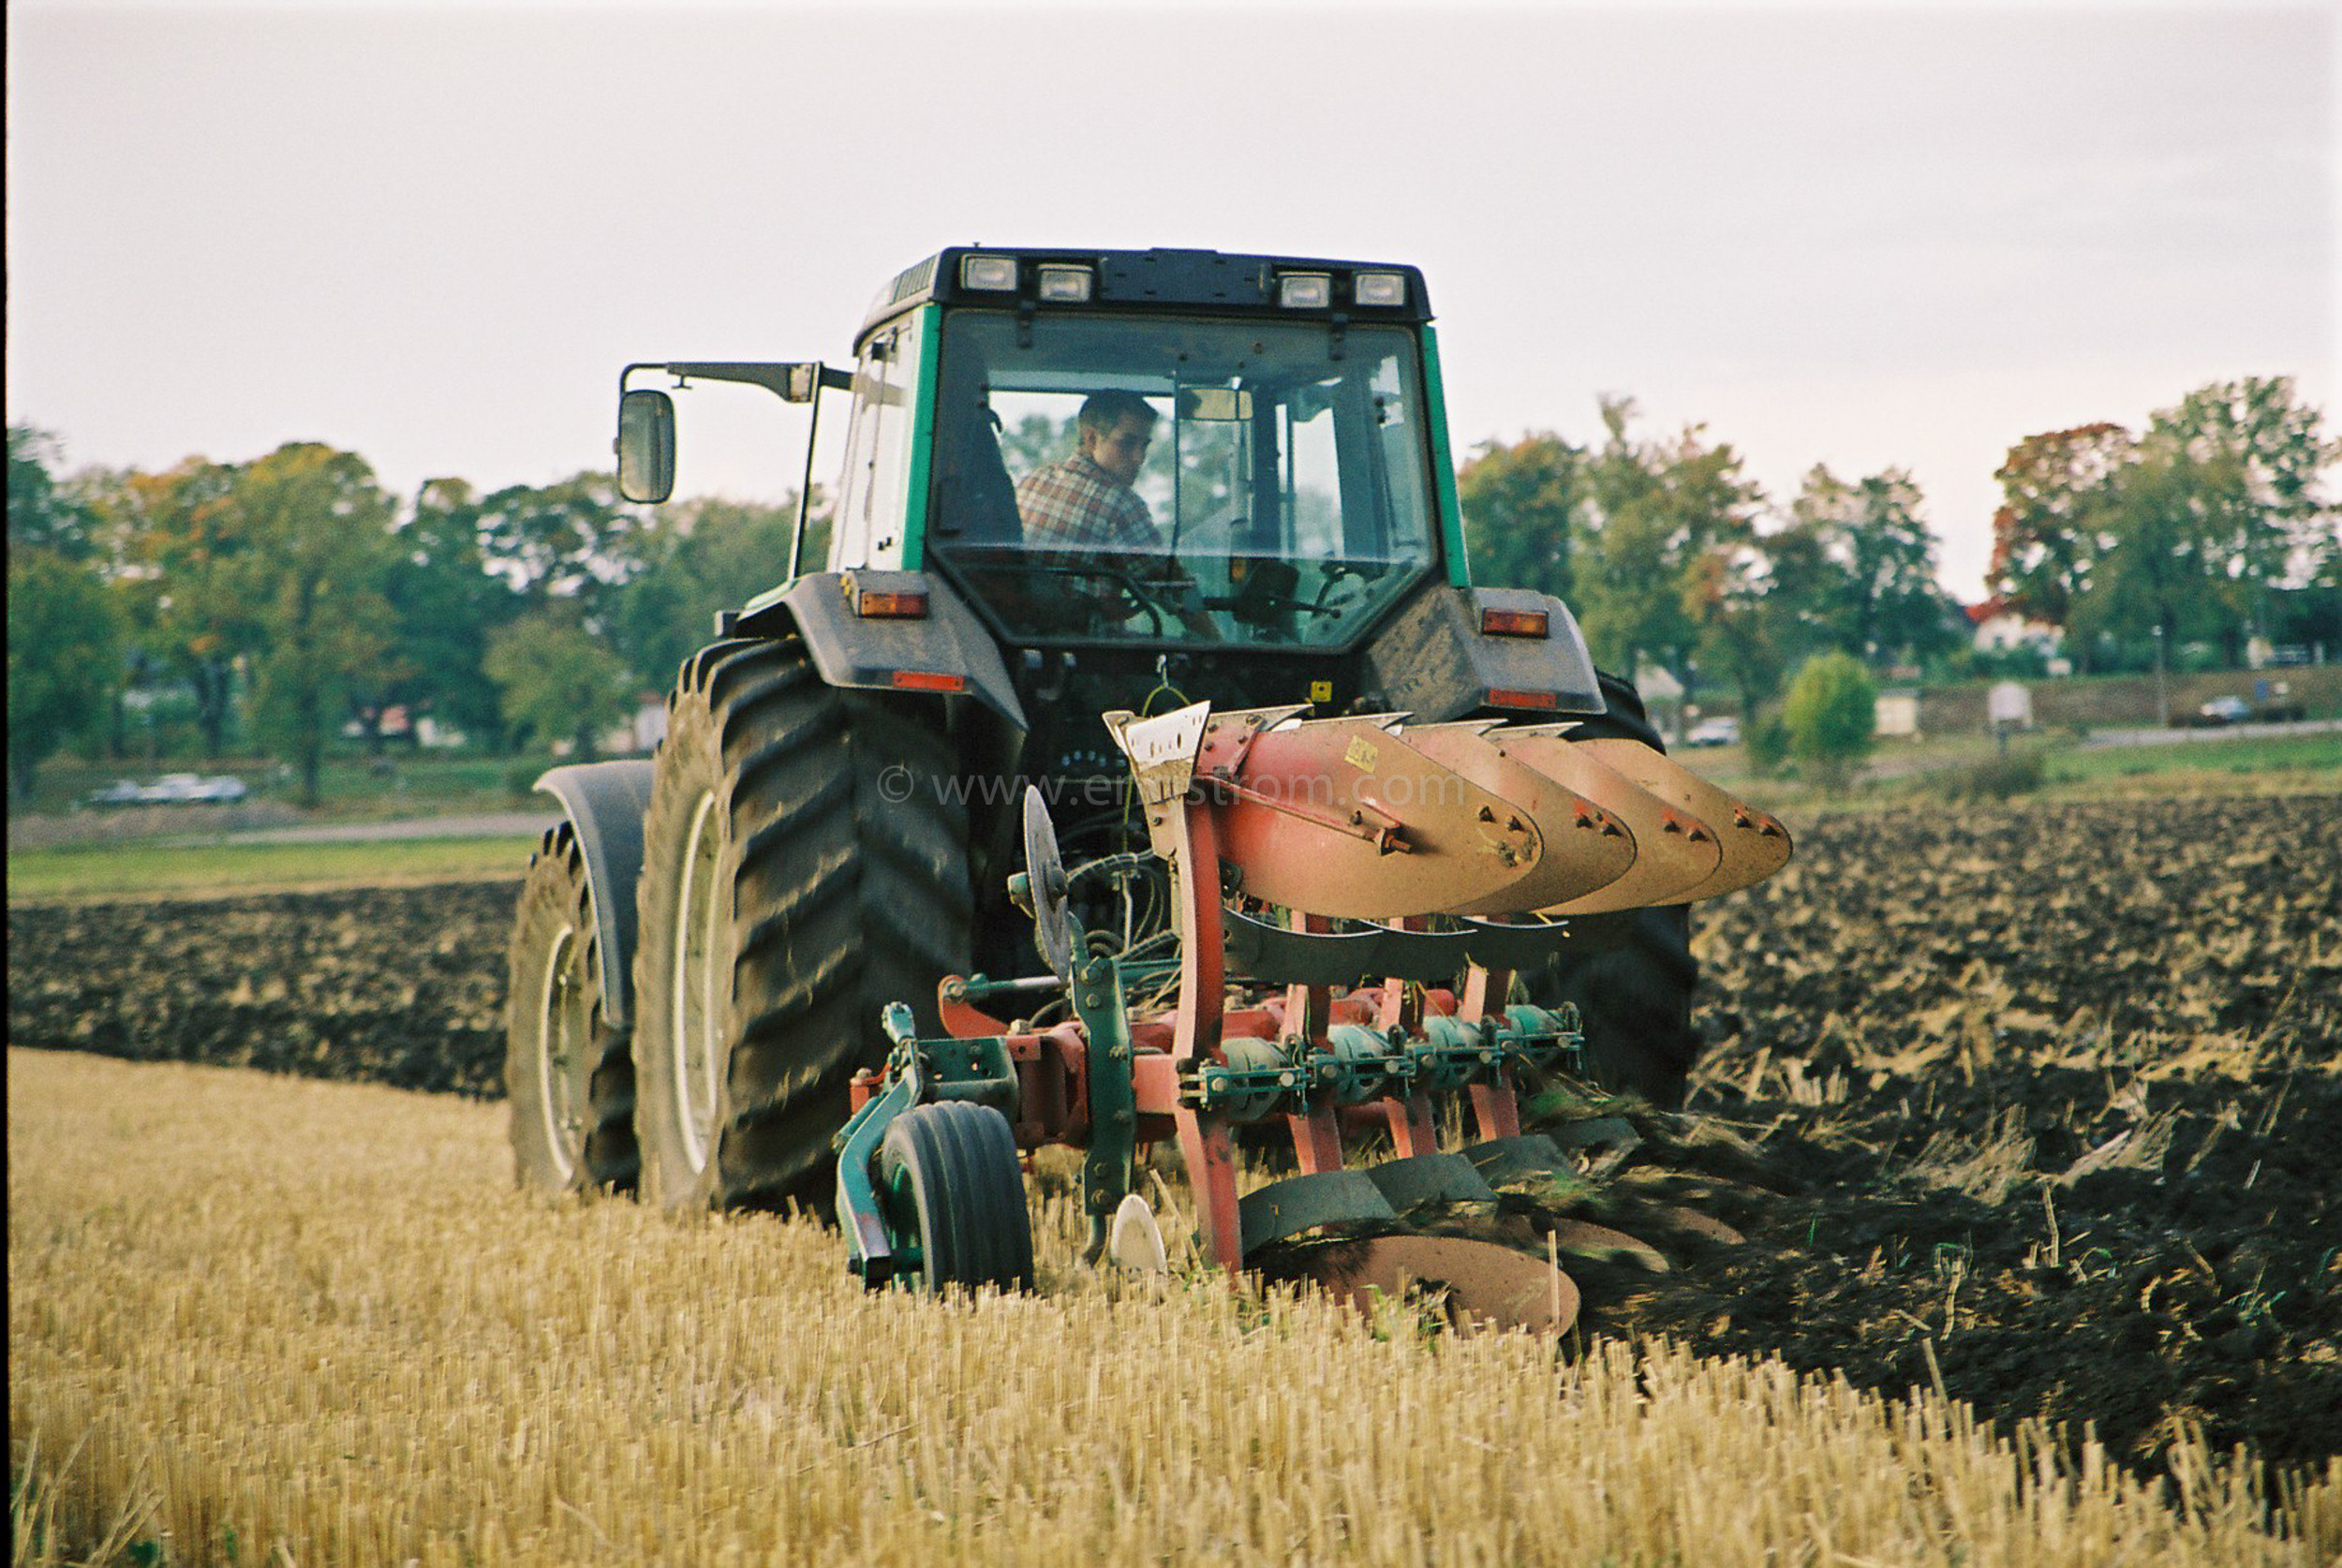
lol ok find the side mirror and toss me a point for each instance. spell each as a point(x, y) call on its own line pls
point(645, 445)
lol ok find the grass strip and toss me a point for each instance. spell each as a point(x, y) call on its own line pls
point(117, 869)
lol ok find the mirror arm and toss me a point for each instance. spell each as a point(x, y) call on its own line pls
point(805, 485)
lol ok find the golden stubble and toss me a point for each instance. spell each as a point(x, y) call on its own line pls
point(264, 1319)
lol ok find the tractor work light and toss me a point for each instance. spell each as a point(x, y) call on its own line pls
point(1381, 288)
point(1513, 623)
point(996, 274)
point(1305, 291)
point(1065, 285)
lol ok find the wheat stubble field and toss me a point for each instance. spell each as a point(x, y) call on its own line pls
point(2034, 1106)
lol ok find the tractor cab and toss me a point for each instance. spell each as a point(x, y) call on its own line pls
point(1292, 489)
point(1284, 495)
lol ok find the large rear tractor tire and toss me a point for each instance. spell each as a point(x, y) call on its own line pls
point(804, 862)
point(569, 1077)
point(950, 1172)
point(1635, 999)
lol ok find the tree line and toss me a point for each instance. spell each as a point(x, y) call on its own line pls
point(291, 594)
point(2211, 525)
point(287, 596)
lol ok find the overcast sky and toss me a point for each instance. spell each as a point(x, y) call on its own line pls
point(1867, 236)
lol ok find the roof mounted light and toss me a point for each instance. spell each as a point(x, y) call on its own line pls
point(1380, 289)
point(996, 274)
point(1065, 285)
point(1305, 291)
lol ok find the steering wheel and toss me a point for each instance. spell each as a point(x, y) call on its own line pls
point(1158, 601)
point(1344, 588)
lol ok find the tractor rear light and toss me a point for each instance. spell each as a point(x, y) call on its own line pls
point(996, 274)
point(1065, 285)
point(926, 680)
point(872, 604)
point(1380, 289)
point(1505, 697)
point(1513, 623)
point(1305, 291)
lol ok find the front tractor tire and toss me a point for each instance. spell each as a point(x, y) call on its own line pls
point(804, 862)
point(569, 1077)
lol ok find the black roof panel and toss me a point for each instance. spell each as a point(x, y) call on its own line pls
point(1207, 281)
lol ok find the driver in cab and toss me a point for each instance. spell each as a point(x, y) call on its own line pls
point(1083, 511)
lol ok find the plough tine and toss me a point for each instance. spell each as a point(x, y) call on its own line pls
point(1675, 850)
point(1754, 844)
point(1585, 847)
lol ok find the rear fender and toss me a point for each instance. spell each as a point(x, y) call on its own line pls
point(605, 803)
point(947, 650)
point(1433, 660)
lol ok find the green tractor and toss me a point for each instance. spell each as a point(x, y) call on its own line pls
point(1076, 483)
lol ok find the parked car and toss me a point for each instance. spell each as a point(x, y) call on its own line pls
point(1723, 729)
point(188, 789)
point(2225, 710)
point(122, 792)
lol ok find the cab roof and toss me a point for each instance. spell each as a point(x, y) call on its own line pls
point(1205, 282)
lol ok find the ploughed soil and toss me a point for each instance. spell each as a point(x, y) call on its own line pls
point(2040, 1104)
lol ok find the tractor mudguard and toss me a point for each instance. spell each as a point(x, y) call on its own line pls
point(946, 649)
point(605, 803)
point(1435, 661)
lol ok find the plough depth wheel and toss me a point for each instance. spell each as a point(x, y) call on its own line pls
point(952, 1183)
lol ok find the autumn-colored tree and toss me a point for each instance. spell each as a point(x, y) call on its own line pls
point(2056, 520)
point(319, 527)
point(188, 579)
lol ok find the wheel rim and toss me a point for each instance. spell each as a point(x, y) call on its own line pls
point(697, 1012)
point(561, 1034)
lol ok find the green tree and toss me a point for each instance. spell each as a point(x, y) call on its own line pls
point(2254, 460)
point(1832, 716)
point(1521, 506)
point(575, 539)
point(320, 526)
point(1673, 522)
point(445, 604)
point(1869, 585)
point(42, 511)
point(558, 680)
point(63, 655)
point(699, 557)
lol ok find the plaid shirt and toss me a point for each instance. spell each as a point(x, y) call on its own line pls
point(1074, 507)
